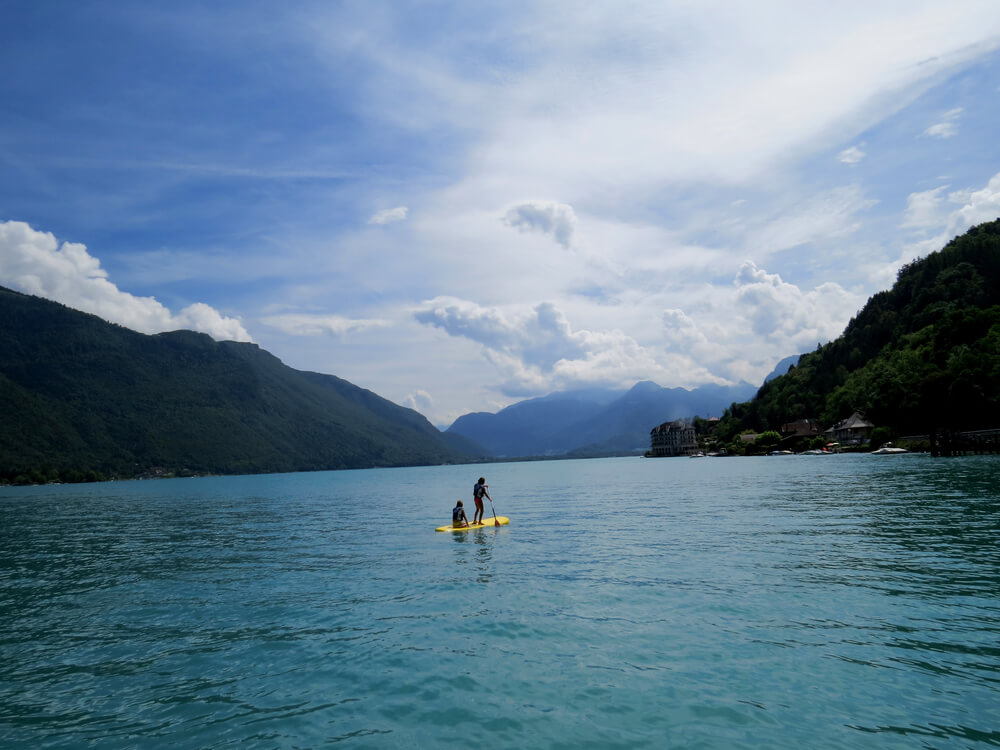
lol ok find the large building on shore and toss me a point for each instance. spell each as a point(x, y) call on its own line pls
point(673, 439)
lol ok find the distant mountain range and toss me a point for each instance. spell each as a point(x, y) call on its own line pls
point(592, 421)
point(82, 398)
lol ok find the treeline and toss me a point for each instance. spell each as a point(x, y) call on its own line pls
point(47, 475)
point(921, 357)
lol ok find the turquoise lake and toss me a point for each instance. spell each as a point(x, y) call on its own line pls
point(847, 601)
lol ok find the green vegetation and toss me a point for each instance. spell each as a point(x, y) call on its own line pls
point(84, 400)
point(919, 358)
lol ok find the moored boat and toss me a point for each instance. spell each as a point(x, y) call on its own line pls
point(888, 449)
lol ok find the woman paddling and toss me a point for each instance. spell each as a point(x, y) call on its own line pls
point(477, 495)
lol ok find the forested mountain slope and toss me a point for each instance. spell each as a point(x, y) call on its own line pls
point(922, 356)
point(82, 397)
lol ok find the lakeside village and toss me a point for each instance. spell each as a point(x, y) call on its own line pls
point(696, 438)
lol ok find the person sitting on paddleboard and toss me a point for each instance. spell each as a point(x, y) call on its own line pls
point(458, 517)
point(477, 495)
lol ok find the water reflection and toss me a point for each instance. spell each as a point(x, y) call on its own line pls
point(475, 548)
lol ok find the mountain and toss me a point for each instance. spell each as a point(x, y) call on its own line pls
point(624, 425)
point(530, 428)
point(592, 421)
point(82, 397)
point(921, 357)
point(783, 367)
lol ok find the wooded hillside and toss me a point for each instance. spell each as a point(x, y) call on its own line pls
point(920, 357)
point(81, 398)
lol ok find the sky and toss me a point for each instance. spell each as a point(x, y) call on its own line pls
point(463, 205)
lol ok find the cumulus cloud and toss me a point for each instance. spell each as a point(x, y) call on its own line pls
point(762, 319)
point(540, 338)
point(937, 217)
point(538, 351)
point(200, 317)
point(977, 206)
point(947, 127)
point(851, 155)
point(699, 353)
point(35, 263)
point(680, 331)
point(782, 312)
point(420, 401)
point(389, 215)
point(556, 219)
point(303, 324)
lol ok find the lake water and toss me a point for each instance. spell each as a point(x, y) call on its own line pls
point(774, 602)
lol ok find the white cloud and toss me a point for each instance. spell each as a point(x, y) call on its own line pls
point(851, 155)
point(947, 127)
point(556, 219)
point(830, 214)
point(389, 215)
point(937, 219)
point(33, 262)
point(942, 130)
point(540, 338)
point(726, 337)
point(680, 331)
point(924, 209)
point(199, 317)
point(977, 206)
point(782, 312)
point(538, 351)
point(622, 103)
point(695, 357)
point(420, 401)
point(302, 324)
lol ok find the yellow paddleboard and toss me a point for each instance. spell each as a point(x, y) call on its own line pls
point(488, 523)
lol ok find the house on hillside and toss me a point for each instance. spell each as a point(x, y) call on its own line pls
point(801, 428)
point(673, 439)
point(855, 430)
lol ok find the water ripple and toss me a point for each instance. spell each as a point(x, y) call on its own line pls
point(718, 603)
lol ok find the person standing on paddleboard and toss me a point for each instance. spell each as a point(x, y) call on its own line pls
point(477, 495)
point(458, 518)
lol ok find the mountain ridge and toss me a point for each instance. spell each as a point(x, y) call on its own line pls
point(576, 423)
point(80, 395)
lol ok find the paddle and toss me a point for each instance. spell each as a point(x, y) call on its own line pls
point(495, 519)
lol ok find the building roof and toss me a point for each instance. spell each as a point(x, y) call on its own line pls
point(677, 424)
point(853, 422)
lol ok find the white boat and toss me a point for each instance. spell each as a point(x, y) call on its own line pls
point(888, 449)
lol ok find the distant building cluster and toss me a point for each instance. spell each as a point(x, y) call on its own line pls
point(855, 430)
point(678, 438)
point(673, 439)
point(851, 432)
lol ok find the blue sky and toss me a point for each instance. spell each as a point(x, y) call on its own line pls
point(461, 205)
